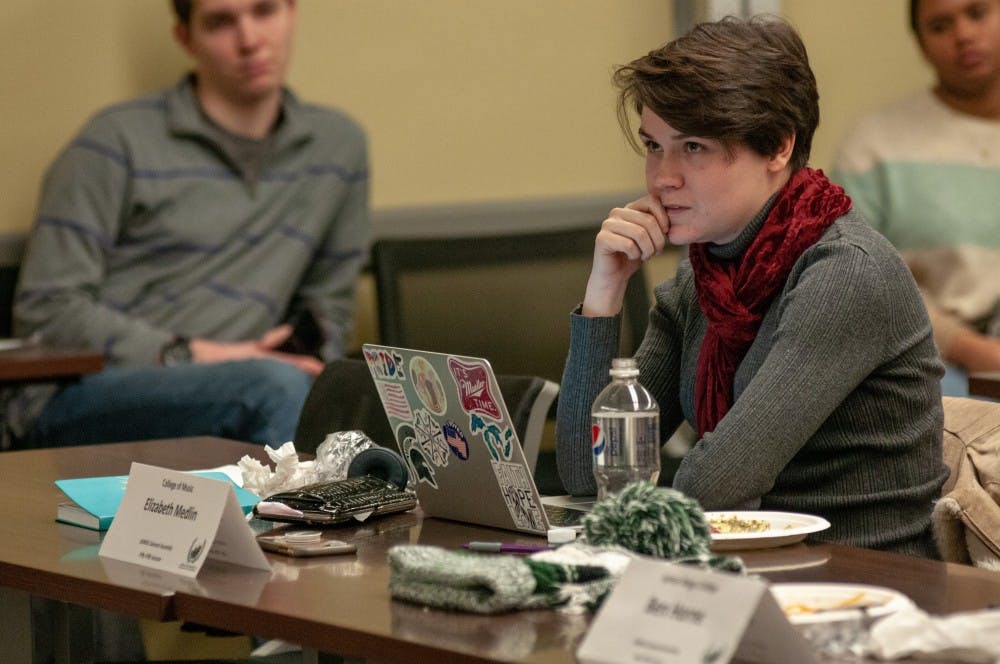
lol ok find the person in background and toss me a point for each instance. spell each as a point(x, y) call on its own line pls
point(205, 238)
point(925, 172)
point(792, 337)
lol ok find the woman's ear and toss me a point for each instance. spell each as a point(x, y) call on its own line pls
point(780, 159)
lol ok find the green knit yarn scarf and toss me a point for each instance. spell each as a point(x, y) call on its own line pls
point(640, 519)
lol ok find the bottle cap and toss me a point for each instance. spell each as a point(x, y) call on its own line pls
point(561, 535)
point(624, 367)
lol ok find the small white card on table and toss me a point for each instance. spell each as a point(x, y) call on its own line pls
point(173, 521)
point(665, 613)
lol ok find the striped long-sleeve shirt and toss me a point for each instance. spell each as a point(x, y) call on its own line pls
point(147, 229)
point(928, 178)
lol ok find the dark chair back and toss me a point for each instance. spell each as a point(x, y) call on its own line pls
point(11, 251)
point(506, 298)
point(344, 398)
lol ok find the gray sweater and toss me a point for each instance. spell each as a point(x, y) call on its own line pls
point(147, 228)
point(837, 404)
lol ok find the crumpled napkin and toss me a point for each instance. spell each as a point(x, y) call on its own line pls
point(962, 638)
point(289, 473)
point(333, 457)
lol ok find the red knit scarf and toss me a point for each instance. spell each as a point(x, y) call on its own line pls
point(735, 294)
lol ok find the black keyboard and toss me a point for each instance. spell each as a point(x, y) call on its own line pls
point(563, 517)
point(336, 501)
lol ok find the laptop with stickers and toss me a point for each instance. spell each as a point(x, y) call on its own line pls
point(458, 440)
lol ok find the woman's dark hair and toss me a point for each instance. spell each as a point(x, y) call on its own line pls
point(738, 81)
point(914, 20)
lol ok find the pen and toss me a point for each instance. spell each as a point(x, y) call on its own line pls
point(505, 547)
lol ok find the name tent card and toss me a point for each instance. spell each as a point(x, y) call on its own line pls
point(664, 613)
point(175, 521)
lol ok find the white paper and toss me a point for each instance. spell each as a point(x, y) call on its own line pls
point(232, 471)
point(960, 637)
point(664, 613)
point(174, 521)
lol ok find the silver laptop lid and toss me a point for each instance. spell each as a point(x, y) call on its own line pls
point(457, 437)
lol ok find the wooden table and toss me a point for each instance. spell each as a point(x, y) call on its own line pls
point(341, 604)
point(985, 384)
point(39, 362)
point(56, 561)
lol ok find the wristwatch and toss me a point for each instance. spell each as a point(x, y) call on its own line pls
point(176, 351)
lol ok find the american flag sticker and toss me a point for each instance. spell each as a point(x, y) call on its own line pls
point(395, 401)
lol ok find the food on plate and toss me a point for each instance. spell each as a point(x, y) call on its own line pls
point(859, 600)
point(734, 524)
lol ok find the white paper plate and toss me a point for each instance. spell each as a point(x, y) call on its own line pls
point(784, 559)
point(805, 603)
point(784, 528)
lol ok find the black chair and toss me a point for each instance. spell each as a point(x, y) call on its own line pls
point(11, 251)
point(344, 398)
point(506, 298)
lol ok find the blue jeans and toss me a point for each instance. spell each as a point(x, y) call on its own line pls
point(251, 400)
point(955, 382)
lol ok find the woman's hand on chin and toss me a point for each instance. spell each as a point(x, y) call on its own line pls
point(629, 237)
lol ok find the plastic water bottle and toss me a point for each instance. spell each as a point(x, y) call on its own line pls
point(625, 431)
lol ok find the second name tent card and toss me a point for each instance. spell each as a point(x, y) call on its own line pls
point(666, 613)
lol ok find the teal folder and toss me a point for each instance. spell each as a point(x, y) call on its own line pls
point(96, 499)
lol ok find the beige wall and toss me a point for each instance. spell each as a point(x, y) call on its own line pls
point(863, 56)
point(464, 100)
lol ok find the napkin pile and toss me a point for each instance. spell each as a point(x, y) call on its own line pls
point(960, 638)
point(333, 457)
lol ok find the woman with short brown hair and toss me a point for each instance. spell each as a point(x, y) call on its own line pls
point(792, 337)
